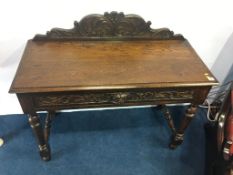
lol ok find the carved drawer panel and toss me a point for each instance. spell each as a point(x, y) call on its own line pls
point(111, 98)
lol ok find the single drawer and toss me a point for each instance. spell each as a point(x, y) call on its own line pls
point(117, 98)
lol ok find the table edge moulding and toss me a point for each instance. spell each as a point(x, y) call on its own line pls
point(107, 28)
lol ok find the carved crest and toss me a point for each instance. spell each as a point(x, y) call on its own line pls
point(110, 26)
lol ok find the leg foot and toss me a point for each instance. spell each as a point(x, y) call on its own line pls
point(45, 152)
point(177, 140)
point(178, 136)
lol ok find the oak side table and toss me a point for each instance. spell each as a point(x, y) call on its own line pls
point(109, 60)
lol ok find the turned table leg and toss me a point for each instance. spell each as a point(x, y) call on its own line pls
point(44, 148)
point(168, 117)
point(178, 137)
point(48, 122)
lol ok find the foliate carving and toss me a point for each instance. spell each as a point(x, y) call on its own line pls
point(112, 98)
point(109, 26)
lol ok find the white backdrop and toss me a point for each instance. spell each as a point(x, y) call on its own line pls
point(206, 24)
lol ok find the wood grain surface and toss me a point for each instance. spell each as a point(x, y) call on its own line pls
point(50, 66)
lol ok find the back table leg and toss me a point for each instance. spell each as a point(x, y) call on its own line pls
point(48, 122)
point(38, 131)
point(168, 117)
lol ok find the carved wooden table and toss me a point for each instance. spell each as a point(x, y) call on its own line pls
point(109, 60)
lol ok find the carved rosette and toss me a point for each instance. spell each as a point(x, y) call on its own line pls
point(109, 26)
point(117, 98)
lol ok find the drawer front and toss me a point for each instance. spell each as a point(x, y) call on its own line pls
point(112, 98)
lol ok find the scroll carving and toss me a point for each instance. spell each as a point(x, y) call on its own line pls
point(110, 26)
point(112, 98)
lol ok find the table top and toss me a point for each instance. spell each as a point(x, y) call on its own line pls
point(52, 66)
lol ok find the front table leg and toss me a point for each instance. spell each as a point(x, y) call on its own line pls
point(178, 137)
point(38, 131)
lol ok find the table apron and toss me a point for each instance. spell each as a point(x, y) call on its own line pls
point(88, 99)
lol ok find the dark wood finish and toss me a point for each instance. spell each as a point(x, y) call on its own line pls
point(222, 118)
point(178, 137)
point(228, 133)
point(168, 117)
point(109, 60)
point(224, 132)
point(37, 128)
point(110, 26)
point(219, 138)
point(121, 65)
point(48, 122)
